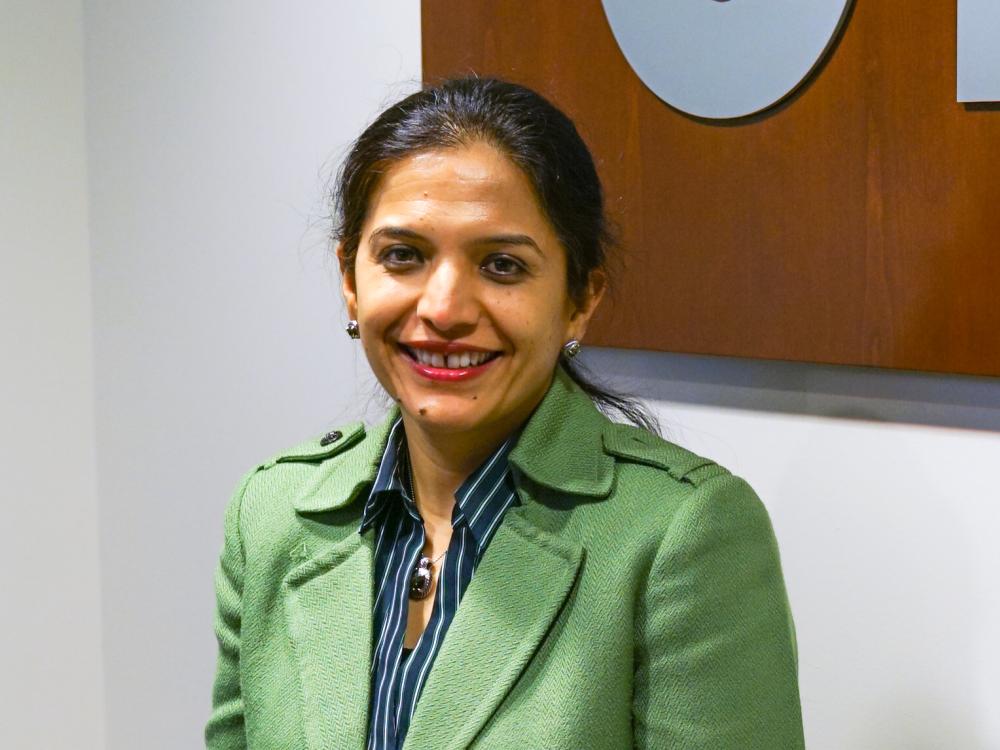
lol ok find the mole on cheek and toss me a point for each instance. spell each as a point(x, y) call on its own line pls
point(422, 411)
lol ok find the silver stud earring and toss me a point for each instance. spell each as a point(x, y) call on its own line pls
point(353, 330)
point(571, 348)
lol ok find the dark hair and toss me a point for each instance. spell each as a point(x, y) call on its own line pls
point(536, 136)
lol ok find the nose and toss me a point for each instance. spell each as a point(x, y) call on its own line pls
point(447, 302)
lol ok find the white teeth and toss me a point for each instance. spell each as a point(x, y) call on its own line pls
point(451, 361)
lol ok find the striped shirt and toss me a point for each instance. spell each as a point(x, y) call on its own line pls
point(480, 503)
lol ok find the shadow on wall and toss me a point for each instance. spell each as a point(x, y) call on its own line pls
point(871, 394)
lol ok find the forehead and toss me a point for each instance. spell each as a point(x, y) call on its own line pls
point(474, 182)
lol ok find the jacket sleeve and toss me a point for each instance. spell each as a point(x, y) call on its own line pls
point(716, 665)
point(224, 730)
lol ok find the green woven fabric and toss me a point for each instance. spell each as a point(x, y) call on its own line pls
point(634, 599)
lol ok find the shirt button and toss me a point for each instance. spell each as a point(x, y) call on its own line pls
point(330, 437)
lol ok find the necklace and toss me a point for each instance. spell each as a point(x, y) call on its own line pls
point(422, 576)
point(420, 581)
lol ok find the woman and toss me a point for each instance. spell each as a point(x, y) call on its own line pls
point(497, 564)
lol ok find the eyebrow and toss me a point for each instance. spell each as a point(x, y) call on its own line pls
point(493, 239)
point(396, 233)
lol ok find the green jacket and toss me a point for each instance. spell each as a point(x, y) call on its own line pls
point(634, 599)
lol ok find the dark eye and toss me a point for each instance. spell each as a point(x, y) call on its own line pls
point(503, 266)
point(399, 256)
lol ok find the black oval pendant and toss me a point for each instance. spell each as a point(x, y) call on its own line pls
point(420, 581)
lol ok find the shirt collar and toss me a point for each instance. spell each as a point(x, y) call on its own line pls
point(486, 492)
point(391, 478)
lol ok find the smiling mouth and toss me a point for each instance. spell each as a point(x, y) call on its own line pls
point(451, 361)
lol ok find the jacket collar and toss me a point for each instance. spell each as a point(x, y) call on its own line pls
point(560, 448)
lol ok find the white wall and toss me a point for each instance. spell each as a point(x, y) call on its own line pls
point(50, 633)
point(217, 329)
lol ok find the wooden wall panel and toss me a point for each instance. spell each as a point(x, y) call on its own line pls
point(856, 223)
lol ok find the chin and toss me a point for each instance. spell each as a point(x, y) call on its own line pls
point(446, 421)
point(448, 415)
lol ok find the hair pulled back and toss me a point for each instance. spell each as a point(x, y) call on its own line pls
point(536, 136)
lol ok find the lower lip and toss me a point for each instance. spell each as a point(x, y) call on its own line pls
point(447, 374)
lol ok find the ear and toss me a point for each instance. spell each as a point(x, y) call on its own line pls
point(347, 285)
point(580, 319)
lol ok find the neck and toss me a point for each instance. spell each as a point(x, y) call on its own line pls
point(440, 463)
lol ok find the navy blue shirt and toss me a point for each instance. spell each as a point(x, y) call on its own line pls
point(392, 514)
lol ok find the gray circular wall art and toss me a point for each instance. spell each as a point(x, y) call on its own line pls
point(721, 59)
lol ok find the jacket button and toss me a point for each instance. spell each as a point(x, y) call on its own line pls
point(330, 437)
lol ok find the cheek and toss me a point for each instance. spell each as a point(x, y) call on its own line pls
point(537, 326)
point(378, 301)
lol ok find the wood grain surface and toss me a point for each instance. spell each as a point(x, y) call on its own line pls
point(857, 222)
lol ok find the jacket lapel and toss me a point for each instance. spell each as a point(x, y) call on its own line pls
point(328, 602)
point(519, 588)
point(328, 597)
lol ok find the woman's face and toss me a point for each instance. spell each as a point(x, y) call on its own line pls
point(459, 288)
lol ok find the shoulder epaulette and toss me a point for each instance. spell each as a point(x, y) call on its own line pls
point(320, 447)
point(641, 446)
